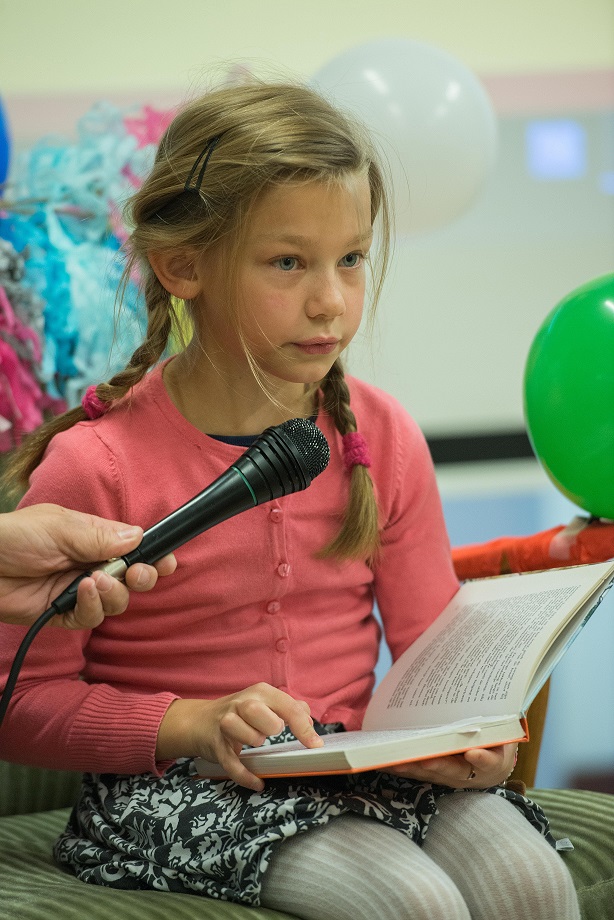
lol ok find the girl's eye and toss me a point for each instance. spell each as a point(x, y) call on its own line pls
point(351, 260)
point(286, 263)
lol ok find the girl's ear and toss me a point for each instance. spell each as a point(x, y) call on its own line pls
point(176, 273)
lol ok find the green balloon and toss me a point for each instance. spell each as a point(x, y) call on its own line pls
point(569, 396)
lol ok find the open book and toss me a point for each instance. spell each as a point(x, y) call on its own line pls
point(465, 683)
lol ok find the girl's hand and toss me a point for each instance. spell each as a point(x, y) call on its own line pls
point(491, 767)
point(218, 729)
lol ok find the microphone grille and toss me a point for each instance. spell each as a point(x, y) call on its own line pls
point(310, 442)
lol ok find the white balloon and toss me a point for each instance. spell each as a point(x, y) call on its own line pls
point(432, 118)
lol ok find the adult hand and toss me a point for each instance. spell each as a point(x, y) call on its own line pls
point(490, 766)
point(44, 547)
point(218, 729)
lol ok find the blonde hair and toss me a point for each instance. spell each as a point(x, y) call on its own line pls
point(267, 134)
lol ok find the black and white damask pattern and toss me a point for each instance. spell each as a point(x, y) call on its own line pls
point(180, 833)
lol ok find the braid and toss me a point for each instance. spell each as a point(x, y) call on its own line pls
point(337, 399)
point(27, 457)
point(160, 323)
point(359, 534)
point(161, 316)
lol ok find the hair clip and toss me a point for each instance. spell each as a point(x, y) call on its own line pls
point(206, 154)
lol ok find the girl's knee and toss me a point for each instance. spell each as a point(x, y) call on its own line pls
point(438, 898)
point(359, 870)
point(501, 864)
point(554, 890)
point(394, 894)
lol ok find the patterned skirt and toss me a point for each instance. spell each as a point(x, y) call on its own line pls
point(215, 838)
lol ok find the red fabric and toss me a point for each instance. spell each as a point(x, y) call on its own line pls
point(579, 542)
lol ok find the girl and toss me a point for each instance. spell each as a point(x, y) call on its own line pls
point(259, 215)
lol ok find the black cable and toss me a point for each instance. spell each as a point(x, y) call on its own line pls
point(20, 656)
point(62, 604)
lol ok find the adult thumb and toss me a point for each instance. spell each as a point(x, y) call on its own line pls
point(89, 538)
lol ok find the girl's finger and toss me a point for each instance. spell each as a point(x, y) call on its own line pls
point(259, 716)
point(88, 611)
point(296, 715)
point(235, 729)
point(236, 770)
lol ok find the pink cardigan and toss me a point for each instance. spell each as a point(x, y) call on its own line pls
point(248, 603)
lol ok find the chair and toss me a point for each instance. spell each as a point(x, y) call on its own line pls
point(35, 803)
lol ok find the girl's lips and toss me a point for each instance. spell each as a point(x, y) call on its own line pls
point(317, 346)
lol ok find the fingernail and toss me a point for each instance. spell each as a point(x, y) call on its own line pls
point(104, 582)
point(143, 580)
point(128, 533)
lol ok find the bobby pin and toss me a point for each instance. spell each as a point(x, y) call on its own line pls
point(204, 155)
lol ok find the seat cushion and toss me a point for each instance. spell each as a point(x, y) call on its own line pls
point(29, 789)
point(33, 888)
point(587, 818)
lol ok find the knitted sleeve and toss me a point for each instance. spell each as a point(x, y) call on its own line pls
point(414, 575)
point(57, 719)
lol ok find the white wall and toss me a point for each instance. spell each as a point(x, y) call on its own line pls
point(83, 45)
point(465, 302)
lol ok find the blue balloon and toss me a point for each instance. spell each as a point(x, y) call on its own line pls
point(5, 145)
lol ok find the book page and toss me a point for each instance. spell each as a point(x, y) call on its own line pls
point(352, 751)
point(566, 637)
point(478, 656)
point(346, 740)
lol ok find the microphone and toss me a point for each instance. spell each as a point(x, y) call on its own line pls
point(284, 459)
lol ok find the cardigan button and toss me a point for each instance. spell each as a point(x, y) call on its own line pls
point(281, 645)
point(273, 607)
point(276, 515)
point(283, 569)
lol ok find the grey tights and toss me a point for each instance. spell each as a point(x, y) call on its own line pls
point(481, 859)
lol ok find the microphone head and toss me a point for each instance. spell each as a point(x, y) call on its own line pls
point(310, 443)
point(285, 458)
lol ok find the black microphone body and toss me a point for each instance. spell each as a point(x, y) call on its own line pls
point(284, 459)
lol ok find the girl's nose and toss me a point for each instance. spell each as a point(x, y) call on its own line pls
point(325, 298)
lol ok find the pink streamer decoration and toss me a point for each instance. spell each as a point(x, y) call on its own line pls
point(21, 399)
point(149, 127)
